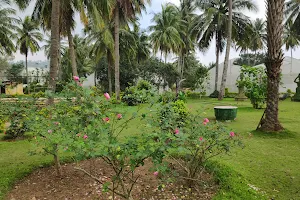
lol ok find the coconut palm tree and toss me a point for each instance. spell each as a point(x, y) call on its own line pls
point(292, 12)
point(291, 39)
point(103, 46)
point(123, 11)
point(165, 36)
point(28, 41)
point(275, 10)
point(212, 24)
point(258, 35)
point(7, 26)
point(68, 8)
point(142, 44)
point(226, 62)
point(55, 38)
point(186, 10)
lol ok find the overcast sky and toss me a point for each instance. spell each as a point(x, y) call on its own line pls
point(145, 21)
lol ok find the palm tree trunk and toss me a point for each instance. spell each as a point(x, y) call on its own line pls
point(273, 63)
point(217, 63)
point(117, 51)
point(72, 53)
point(109, 68)
point(59, 68)
point(27, 75)
point(291, 71)
point(226, 62)
point(55, 13)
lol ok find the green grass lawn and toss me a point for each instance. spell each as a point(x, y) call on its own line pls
point(269, 161)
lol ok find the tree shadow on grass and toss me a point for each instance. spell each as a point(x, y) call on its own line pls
point(285, 134)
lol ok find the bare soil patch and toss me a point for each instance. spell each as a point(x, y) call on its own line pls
point(43, 184)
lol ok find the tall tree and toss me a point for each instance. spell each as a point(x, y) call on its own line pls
point(291, 39)
point(187, 47)
point(28, 41)
point(7, 26)
point(226, 62)
point(292, 12)
point(258, 35)
point(275, 9)
point(103, 46)
point(165, 36)
point(68, 8)
point(124, 10)
point(212, 24)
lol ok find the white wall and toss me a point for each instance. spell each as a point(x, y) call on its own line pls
point(289, 73)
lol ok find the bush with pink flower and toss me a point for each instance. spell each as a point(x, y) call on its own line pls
point(199, 141)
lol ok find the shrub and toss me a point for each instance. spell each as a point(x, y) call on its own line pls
point(138, 94)
point(254, 79)
point(39, 94)
point(18, 118)
point(215, 94)
point(167, 97)
point(172, 115)
point(199, 141)
point(195, 95)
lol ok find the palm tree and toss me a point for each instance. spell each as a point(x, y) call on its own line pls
point(7, 26)
point(275, 9)
point(187, 47)
point(55, 38)
point(29, 38)
point(214, 21)
point(62, 49)
point(258, 35)
point(103, 46)
point(123, 11)
point(142, 44)
point(291, 39)
point(165, 35)
point(292, 12)
point(68, 8)
point(226, 62)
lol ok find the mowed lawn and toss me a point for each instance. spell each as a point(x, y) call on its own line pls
point(269, 161)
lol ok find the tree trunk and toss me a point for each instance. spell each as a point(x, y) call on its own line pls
point(291, 71)
point(273, 63)
point(57, 162)
point(109, 69)
point(217, 63)
point(72, 53)
point(226, 62)
point(117, 51)
point(27, 75)
point(59, 68)
point(95, 78)
point(55, 37)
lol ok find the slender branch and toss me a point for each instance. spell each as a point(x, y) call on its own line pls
point(98, 180)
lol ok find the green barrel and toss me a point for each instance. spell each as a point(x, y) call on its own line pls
point(223, 113)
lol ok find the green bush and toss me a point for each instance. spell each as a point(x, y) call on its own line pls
point(195, 95)
point(17, 113)
point(215, 94)
point(172, 114)
point(138, 94)
point(167, 97)
point(39, 94)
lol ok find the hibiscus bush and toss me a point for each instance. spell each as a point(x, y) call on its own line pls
point(196, 143)
point(91, 126)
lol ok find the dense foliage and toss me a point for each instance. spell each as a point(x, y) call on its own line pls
point(254, 81)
